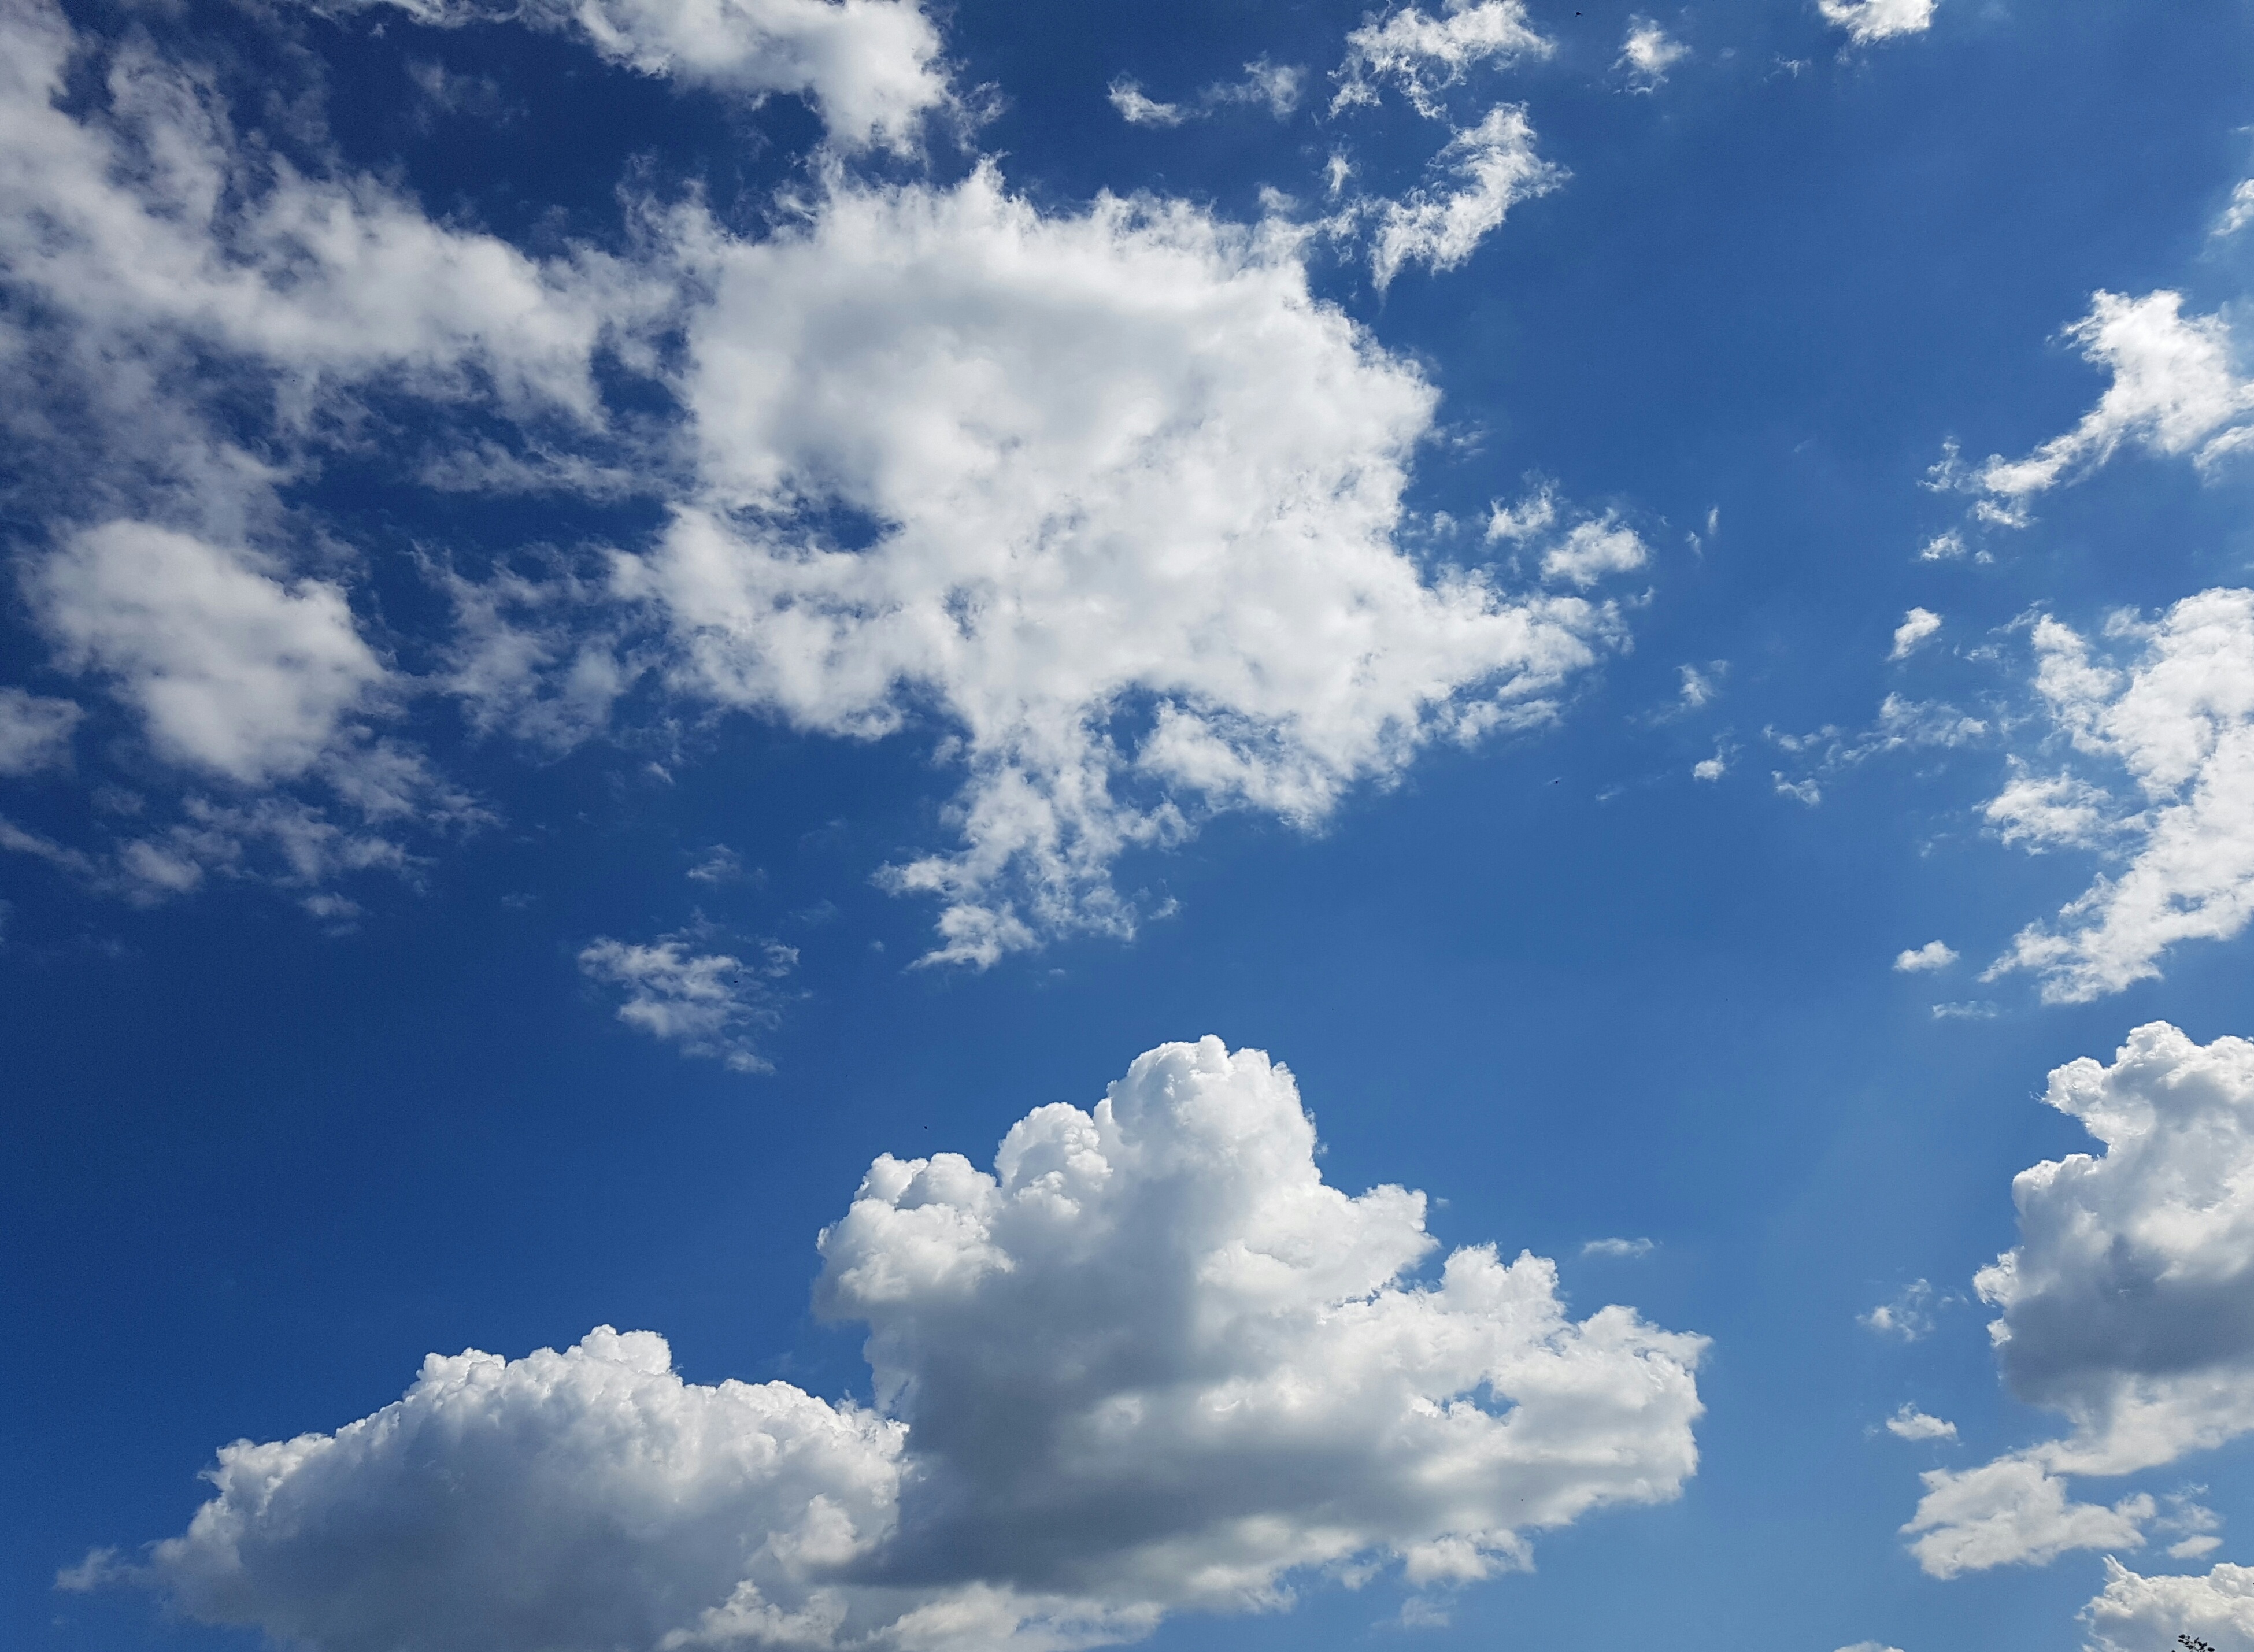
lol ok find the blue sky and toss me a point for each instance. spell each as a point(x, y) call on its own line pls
point(616, 613)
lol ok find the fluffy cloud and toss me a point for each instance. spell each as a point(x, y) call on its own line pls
point(1917, 624)
point(1271, 86)
point(2239, 212)
point(2176, 391)
point(231, 670)
point(1135, 491)
point(1648, 52)
point(709, 1002)
point(2133, 1612)
point(1933, 955)
point(1494, 167)
point(1911, 1423)
point(2127, 1306)
point(1105, 499)
point(1150, 1361)
point(2177, 718)
point(35, 730)
point(1423, 55)
point(1868, 20)
point(873, 67)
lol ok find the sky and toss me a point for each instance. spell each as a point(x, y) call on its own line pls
point(836, 824)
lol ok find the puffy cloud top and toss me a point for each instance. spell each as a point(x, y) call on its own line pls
point(2129, 1301)
point(1149, 1361)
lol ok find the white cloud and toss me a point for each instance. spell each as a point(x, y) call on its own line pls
point(709, 1002)
point(1628, 1249)
point(2178, 718)
point(1911, 1423)
point(1710, 768)
point(2239, 212)
point(1424, 55)
point(2128, 1303)
point(1120, 465)
point(1870, 1645)
point(1139, 490)
point(872, 66)
point(1698, 689)
point(1151, 1363)
point(2134, 1612)
point(2012, 1512)
point(1901, 725)
point(1868, 20)
point(1648, 52)
point(231, 670)
point(1274, 86)
point(1947, 546)
point(1495, 167)
point(2175, 390)
point(1909, 1316)
point(35, 730)
point(1137, 108)
point(1917, 624)
point(1594, 551)
point(2127, 1306)
point(1933, 955)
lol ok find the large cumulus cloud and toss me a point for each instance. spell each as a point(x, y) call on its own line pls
point(1149, 1361)
point(2127, 1306)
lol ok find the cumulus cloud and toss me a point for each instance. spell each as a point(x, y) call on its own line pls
point(1150, 1362)
point(2176, 720)
point(1917, 624)
point(2133, 1612)
point(2127, 1306)
point(231, 670)
point(1911, 1423)
point(1933, 955)
point(873, 67)
point(1136, 108)
point(35, 730)
point(1491, 166)
point(1648, 52)
point(2012, 1511)
point(1868, 20)
point(1423, 55)
point(711, 1003)
point(1139, 491)
point(2175, 390)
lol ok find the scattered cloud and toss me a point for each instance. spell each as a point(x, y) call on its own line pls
point(1150, 1362)
point(2175, 390)
point(1948, 546)
point(1970, 1009)
point(1116, 465)
point(2240, 211)
point(1626, 1250)
point(2176, 718)
point(1648, 52)
point(1712, 768)
point(1917, 626)
point(1909, 1316)
point(1698, 689)
point(711, 1003)
point(1911, 1423)
point(1273, 86)
point(1423, 55)
point(1902, 725)
point(1869, 20)
point(1583, 552)
point(1933, 955)
point(231, 670)
point(1493, 166)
